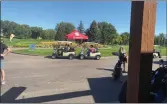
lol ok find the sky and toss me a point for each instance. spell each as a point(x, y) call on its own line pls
point(47, 14)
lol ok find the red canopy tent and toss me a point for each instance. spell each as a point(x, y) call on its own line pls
point(75, 35)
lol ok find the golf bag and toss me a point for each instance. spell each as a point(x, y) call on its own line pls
point(159, 85)
point(117, 70)
point(158, 90)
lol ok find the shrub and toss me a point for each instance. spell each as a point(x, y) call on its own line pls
point(55, 44)
point(94, 44)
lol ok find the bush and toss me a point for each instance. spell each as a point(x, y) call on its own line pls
point(94, 44)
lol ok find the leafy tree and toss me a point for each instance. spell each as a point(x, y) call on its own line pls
point(107, 32)
point(22, 31)
point(160, 39)
point(48, 34)
point(36, 32)
point(118, 40)
point(125, 38)
point(8, 27)
point(63, 29)
point(93, 31)
point(81, 27)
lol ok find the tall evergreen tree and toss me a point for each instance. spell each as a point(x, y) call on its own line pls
point(93, 32)
point(81, 27)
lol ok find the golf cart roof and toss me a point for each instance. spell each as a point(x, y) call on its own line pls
point(90, 43)
point(64, 41)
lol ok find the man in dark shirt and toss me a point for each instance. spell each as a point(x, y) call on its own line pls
point(4, 51)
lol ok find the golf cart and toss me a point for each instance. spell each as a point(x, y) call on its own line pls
point(83, 54)
point(62, 52)
point(156, 54)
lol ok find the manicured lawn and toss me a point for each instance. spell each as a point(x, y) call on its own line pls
point(46, 52)
point(23, 42)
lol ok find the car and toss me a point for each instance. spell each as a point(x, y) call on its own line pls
point(61, 52)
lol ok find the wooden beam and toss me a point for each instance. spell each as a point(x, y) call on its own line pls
point(142, 29)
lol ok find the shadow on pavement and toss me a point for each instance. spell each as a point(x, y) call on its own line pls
point(105, 69)
point(115, 53)
point(112, 70)
point(103, 90)
point(49, 57)
point(12, 94)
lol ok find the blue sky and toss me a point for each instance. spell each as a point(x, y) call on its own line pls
point(47, 14)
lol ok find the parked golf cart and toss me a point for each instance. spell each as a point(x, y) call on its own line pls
point(156, 54)
point(95, 55)
point(61, 52)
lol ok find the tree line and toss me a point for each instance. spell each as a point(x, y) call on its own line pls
point(101, 32)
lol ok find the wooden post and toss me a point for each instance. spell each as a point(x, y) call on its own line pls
point(142, 29)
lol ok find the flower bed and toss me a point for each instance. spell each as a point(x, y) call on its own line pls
point(51, 44)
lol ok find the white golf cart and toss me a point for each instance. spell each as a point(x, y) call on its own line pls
point(61, 52)
point(83, 54)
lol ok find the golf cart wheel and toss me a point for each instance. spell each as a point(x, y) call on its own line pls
point(81, 57)
point(71, 57)
point(98, 57)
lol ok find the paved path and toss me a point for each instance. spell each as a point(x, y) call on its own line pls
point(36, 79)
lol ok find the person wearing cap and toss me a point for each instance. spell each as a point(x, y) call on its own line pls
point(4, 51)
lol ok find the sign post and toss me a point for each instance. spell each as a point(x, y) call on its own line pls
point(32, 46)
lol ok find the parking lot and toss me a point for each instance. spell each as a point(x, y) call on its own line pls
point(37, 79)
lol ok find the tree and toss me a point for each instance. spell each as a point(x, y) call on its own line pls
point(125, 38)
point(81, 27)
point(93, 32)
point(36, 32)
point(8, 27)
point(118, 40)
point(48, 34)
point(159, 39)
point(162, 39)
point(22, 31)
point(107, 32)
point(63, 28)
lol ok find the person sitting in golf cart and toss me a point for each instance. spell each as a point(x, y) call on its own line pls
point(71, 48)
point(96, 48)
point(67, 48)
point(91, 50)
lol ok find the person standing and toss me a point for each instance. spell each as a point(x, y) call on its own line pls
point(122, 57)
point(4, 51)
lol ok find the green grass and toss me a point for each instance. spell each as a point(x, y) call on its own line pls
point(46, 52)
point(26, 42)
point(107, 51)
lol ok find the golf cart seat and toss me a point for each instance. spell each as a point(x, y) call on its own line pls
point(71, 50)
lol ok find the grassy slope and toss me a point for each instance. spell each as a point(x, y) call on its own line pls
point(44, 52)
point(23, 41)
